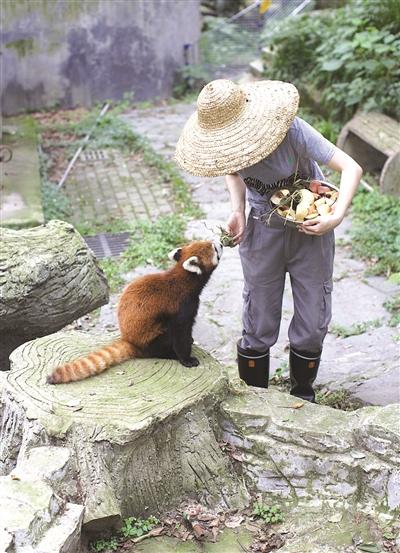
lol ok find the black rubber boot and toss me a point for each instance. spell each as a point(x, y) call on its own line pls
point(253, 366)
point(303, 372)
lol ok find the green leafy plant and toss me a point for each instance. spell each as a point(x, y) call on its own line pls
point(354, 330)
point(136, 527)
point(270, 515)
point(362, 69)
point(393, 306)
point(103, 545)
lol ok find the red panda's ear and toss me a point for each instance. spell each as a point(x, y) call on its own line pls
point(175, 254)
point(192, 265)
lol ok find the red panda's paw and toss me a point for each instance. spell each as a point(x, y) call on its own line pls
point(190, 362)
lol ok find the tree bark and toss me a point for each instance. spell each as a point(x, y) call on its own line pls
point(48, 278)
point(141, 433)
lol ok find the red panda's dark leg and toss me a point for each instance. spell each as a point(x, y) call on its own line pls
point(161, 347)
point(180, 329)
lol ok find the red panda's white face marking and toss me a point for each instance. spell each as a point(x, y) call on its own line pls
point(198, 257)
point(174, 254)
point(192, 265)
point(217, 252)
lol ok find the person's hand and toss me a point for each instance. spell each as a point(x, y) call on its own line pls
point(320, 225)
point(236, 225)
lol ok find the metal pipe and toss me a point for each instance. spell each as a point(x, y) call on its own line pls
point(84, 142)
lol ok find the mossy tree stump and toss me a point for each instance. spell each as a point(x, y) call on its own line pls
point(140, 433)
point(48, 278)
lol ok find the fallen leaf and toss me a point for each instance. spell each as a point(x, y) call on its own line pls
point(14, 477)
point(199, 530)
point(237, 456)
point(369, 548)
point(234, 522)
point(298, 405)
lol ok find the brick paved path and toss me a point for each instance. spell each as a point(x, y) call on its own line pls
point(108, 186)
point(366, 364)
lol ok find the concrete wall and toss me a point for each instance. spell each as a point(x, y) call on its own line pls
point(70, 52)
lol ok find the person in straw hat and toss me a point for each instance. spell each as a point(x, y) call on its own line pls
point(250, 134)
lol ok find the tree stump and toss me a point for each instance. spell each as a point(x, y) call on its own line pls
point(373, 139)
point(141, 433)
point(48, 278)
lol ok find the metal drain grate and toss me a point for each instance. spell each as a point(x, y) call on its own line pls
point(93, 155)
point(107, 245)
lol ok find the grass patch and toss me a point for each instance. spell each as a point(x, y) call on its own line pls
point(375, 231)
point(61, 134)
point(149, 244)
point(338, 399)
point(56, 204)
point(393, 306)
point(341, 331)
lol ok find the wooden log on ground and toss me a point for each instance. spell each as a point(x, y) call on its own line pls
point(373, 140)
point(48, 278)
point(141, 433)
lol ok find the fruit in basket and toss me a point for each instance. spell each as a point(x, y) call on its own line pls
point(322, 189)
point(279, 196)
point(324, 209)
point(314, 184)
point(299, 204)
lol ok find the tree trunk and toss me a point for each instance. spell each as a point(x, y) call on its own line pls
point(48, 278)
point(141, 434)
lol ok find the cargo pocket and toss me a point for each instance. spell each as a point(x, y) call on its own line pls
point(248, 321)
point(326, 307)
point(248, 231)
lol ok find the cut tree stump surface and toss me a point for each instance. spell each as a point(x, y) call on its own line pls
point(378, 130)
point(122, 400)
point(141, 433)
point(373, 140)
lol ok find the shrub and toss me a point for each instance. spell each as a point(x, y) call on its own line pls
point(375, 233)
point(351, 54)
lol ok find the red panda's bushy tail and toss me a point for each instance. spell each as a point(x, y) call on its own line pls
point(93, 363)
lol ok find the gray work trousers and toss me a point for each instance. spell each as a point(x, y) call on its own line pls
point(267, 252)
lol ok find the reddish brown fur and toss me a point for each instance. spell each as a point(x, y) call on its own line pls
point(141, 309)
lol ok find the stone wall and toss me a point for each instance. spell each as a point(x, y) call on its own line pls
point(67, 53)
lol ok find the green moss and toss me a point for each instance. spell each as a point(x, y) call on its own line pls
point(46, 9)
point(23, 46)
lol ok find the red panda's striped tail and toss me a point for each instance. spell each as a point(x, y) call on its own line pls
point(93, 363)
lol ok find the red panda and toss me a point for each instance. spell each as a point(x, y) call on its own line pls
point(156, 313)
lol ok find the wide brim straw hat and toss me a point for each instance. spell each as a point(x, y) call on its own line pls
point(235, 126)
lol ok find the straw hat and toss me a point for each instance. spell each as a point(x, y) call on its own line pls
point(235, 126)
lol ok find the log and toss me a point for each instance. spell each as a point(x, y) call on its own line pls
point(373, 140)
point(140, 434)
point(48, 278)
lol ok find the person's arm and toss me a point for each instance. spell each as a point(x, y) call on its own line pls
point(350, 178)
point(237, 221)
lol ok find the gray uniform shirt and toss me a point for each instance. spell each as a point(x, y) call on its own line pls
point(302, 148)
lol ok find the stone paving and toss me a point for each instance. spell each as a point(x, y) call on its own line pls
point(106, 187)
point(20, 194)
point(366, 364)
